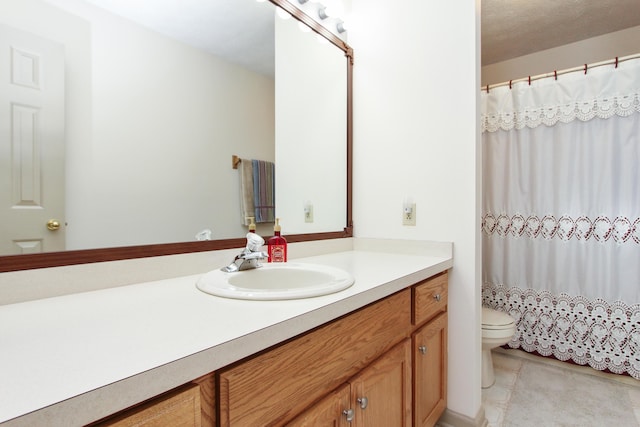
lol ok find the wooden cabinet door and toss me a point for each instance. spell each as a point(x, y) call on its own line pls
point(274, 387)
point(430, 371)
point(329, 412)
point(207, 385)
point(381, 393)
point(180, 408)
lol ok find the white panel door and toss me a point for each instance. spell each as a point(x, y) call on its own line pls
point(31, 143)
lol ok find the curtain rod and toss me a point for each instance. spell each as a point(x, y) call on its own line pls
point(555, 74)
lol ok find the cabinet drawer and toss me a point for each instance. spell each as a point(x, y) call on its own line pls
point(429, 298)
point(271, 388)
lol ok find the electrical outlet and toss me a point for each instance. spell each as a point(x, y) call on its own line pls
point(308, 213)
point(409, 214)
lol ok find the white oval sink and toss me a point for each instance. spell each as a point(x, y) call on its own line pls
point(276, 281)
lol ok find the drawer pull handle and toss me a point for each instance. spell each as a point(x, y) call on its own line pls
point(363, 401)
point(423, 349)
point(349, 414)
point(437, 297)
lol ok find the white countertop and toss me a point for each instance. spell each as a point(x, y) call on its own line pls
point(72, 359)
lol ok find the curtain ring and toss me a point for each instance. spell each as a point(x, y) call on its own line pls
point(510, 83)
point(616, 62)
point(585, 69)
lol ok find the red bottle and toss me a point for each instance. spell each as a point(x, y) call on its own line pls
point(277, 245)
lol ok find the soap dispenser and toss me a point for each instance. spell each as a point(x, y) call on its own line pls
point(277, 245)
point(252, 225)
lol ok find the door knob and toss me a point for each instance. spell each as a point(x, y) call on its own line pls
point(53, 224)
point(437, 297)
point(423, 349)
point(349, 414)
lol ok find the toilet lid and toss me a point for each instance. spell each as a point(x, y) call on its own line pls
point(494, 319)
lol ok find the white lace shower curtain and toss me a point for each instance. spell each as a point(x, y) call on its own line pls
point(561, 214)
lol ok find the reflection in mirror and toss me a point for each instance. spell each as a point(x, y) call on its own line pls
point(311, 131)
point(149, 125)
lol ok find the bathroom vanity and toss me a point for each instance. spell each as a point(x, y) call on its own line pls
point(166, 353)
point(357, 368)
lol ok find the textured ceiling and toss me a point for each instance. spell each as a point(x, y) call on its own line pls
point(512, 28)
point(241, 31)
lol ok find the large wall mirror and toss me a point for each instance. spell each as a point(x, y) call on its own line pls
point(118, 138)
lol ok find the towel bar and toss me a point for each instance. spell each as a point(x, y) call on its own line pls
point(235, 161)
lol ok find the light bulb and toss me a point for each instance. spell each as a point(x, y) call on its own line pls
point(330, 11)
point(322, 13)
point(335, 7)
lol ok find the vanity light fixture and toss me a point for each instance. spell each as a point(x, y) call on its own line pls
point(323, 13)
point(335, 8)
point(328, 13)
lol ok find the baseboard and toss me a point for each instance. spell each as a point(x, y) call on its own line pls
point(453, 419)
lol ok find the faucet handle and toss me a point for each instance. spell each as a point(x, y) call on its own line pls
point(256, 255)
point(254, 242)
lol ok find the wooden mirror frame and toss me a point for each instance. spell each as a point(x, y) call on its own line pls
point(85, 256)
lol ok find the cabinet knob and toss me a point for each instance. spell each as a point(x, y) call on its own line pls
point(437, 297)
point(423, 349)
point(363, 401)
point(349, 414)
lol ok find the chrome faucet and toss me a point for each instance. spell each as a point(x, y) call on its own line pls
point(250, 257)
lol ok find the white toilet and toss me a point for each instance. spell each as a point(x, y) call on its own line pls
point(497, 329)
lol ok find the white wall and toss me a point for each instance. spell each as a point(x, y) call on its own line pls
point(596, 49)
point(416, 79)
point(147, 159)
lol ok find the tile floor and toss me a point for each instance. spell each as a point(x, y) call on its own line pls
point(500, 399)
